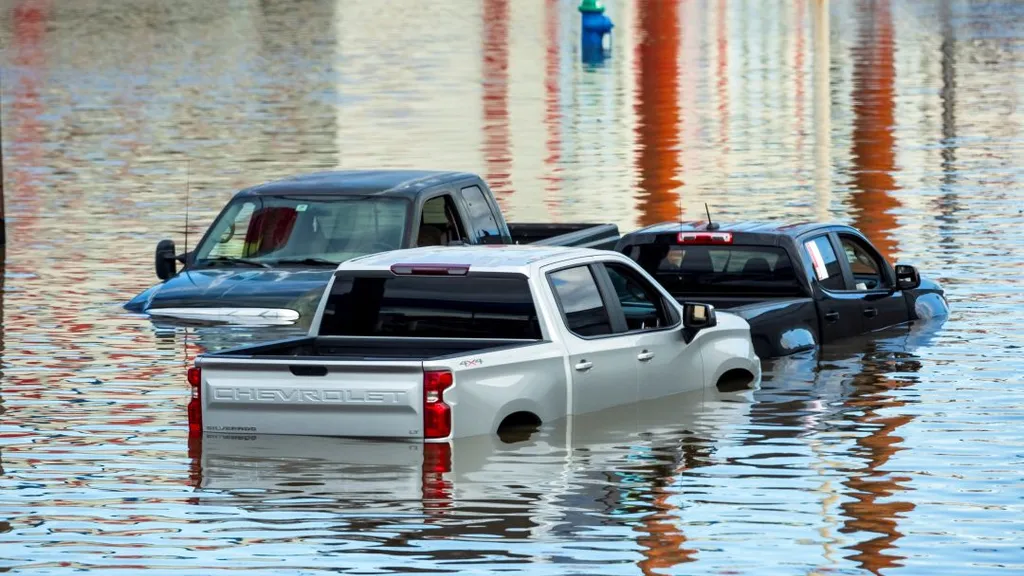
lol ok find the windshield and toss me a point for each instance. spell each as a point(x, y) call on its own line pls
point(267, 230)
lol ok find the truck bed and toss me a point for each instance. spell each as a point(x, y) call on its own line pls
point(584, 235)
point(364, 348)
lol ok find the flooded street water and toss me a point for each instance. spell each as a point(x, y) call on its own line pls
point(901, 453)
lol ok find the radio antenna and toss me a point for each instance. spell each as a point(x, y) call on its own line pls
point(711, 225)
point(188, 181)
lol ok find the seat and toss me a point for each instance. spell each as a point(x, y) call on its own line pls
point(268, 230)
point(429, 235)
point(697, 262)
point(757, 265)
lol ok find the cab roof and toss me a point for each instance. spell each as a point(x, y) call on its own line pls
point(792, 229)
point(746, 232)
point(398, 182)
point(478, 258)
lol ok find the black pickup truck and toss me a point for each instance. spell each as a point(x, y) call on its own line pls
point(272, 249)
point(798, 285)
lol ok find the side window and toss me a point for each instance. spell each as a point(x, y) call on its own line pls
point(826, 265)
point(438, 224)
point(641, 303)
point(864, 264)
point(576, 291)
point(480, 215)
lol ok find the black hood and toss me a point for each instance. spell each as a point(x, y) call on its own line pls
point(236, 287)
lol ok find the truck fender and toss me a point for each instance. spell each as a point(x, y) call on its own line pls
point(520, 405)
point(728, 347)
point(928, 306)
point(752, 366)
point(795, 340)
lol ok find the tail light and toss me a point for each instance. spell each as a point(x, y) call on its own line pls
point(195, 404)
point(437, 416)
point(430, 269)
point(704, 238)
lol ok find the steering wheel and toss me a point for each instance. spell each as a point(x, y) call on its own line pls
point(228, 234)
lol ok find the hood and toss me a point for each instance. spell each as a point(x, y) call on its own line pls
point(297, 289)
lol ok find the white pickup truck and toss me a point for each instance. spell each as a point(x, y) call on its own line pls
point(438, 343)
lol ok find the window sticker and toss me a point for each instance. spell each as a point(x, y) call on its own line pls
point(819, 263)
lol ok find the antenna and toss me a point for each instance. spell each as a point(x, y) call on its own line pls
point(188, 181)
point(711, 225)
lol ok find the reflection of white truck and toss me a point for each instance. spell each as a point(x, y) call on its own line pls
point(565, 477)
point(444, 342)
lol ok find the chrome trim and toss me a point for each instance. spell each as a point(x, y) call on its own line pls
point(249, 316)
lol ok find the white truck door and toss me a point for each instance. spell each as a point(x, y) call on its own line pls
point(666, 364)
point(602, 362)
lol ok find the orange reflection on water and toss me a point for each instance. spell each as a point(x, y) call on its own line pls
point(868, 512)
point(874, 155)
point(657, 108)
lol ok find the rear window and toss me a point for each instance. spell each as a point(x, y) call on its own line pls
point(734, 270)
point(431, 307)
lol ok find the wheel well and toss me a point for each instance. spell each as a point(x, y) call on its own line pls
point(518, 426)
point(735, 379)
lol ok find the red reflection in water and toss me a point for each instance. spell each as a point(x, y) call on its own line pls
point(552, 116)
point(874, 155)
point(29, 19)
point(798, 75)
point(658, 114)
point(497, 151)
point(722, 79)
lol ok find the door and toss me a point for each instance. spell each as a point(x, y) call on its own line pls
point(666, 364)
point(882, 304)
point(839, 310)
point(602, 360)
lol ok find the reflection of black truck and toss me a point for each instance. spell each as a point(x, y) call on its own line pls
point(270, 252)
point(786, 280)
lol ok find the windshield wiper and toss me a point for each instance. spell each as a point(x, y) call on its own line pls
point(233, 260)
point(311, 261)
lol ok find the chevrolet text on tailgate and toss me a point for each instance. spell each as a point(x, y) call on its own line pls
point(444, 342)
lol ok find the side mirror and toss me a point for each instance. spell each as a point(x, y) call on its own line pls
point(907, 277)
point(165, 260)
point(698, 316)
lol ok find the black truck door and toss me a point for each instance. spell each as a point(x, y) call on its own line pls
point(839, 310)
point(882, 303)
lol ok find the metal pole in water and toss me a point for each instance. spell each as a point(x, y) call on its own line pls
point(3, 222)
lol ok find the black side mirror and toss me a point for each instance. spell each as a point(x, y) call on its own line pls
point(165, 260)
point(697, 316)
point(907, 277)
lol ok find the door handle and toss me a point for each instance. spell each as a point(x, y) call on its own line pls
point(584, 365)
point(832, 316)
point(870, 312)
point(306, 370)
point(645, 356)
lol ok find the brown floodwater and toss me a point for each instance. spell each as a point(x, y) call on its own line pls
point(900, 453)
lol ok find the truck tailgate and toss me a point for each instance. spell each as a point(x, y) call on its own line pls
point(315, 398)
